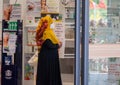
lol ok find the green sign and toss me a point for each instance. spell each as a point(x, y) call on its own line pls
point(12, 26)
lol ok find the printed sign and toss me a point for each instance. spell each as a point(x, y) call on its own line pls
point(51, 6)
point(60, 33)
point(16, 12)
point(33, 10)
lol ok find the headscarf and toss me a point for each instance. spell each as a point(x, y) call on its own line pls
point(48, 33)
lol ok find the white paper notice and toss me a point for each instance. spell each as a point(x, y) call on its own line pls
point(60, 33)
point(14, 1)
point(16, 12)
point(53, 6)
point(1, 9)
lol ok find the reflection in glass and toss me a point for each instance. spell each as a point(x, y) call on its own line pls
point(104, 71)
point(104, 39)
point(104, 22)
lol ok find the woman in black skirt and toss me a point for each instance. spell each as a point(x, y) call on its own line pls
point(48, 70)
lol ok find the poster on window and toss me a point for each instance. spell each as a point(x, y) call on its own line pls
point(98, 12)
point(9, 42)
point(11, 12)
point(31, 41)
point(16, 12)
point(60, 33)
point(33, 10)
point(68, 3)
point(114, 69)
point(7, 10)
point(51, 6)
point(28, 70)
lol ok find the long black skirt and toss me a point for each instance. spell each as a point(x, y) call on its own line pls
point(48, 70)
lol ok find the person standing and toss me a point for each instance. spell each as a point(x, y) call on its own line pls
point(48, 69)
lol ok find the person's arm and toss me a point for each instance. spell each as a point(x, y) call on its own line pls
point(48, 43)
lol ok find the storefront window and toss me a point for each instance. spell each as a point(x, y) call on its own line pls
point(63, 14)
point(104, 42)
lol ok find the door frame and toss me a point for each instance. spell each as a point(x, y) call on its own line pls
point(81, 41)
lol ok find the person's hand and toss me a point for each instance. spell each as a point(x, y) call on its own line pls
point(60, 44)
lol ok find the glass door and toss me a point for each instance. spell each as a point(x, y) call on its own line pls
point(63, 12)
point(104, 42)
